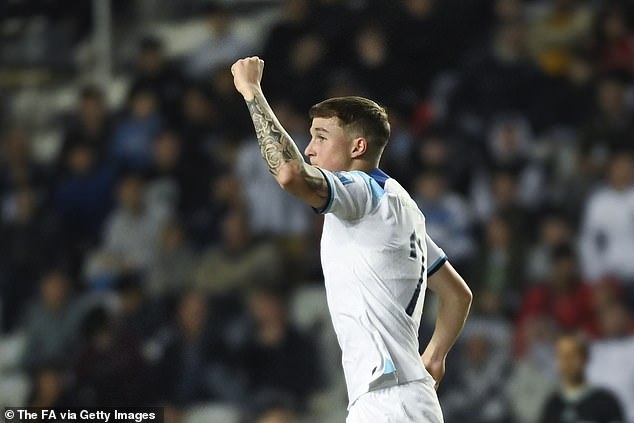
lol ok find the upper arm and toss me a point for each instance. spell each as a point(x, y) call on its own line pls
point(305, 182)
point(348, 195)
point(436, 257)
point(447, 283)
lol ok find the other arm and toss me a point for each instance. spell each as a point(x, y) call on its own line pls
point(283, 158)
point(454, 303)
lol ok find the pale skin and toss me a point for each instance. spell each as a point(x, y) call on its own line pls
point(334, 148)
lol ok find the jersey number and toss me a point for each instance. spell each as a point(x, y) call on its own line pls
point(414, 243)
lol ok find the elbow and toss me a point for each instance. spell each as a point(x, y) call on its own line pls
point(467, 296)
point(463, 297)
point(464, 300)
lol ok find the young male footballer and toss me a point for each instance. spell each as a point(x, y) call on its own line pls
point(376, 256)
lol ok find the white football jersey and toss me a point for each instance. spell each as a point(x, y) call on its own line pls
point(376, 257)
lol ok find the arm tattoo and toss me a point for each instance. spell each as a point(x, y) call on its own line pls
point(276, 145)
point(278, 148)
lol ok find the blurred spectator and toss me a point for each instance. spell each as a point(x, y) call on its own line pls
point(516, 184)
point(18, 169)
point(172, 266)
point(199, 122)
point(475, 394)
point(557, 29)
point(223, 45)
point(177, 182)
point(421, 23)
point(447, 216)
point(293, 24)
point(90, 124)
point(51, 388)
point(152, 69)
point(30, 240)
point(135, 129)
point(554, 229)
point(578, 400)
point(606, 234)
point(609, 129)
point(562, 297)
point(501, 79)
point(190, 367)
point(508, 10)
point(130, 237)
point(614, 39)
point(52, 324)
point(239, 261)
point(138, 315)
point(331, 19)
point(303, 79)
point(229, 117)
point(299, 55)
point(437, 148)
point(275, 410)
point(377, 70)
point(276, 356)
point(570, 97)
point(610, 364)
point(532, 379)
point(497, 269)
point(83, 198)
point(167, 178)
point(109, 369)
point(498, 194)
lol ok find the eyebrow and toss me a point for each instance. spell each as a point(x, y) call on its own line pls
point(321, 129)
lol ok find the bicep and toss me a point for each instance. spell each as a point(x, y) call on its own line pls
point(447, 282)
point(307, 183)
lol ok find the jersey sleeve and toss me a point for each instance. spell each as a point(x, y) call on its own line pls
point(352, 194)
point(436, 257)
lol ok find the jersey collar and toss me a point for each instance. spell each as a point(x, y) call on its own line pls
point(379, 176)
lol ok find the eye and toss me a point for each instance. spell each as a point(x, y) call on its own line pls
point(321, 138)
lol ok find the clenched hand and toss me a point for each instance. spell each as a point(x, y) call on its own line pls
point(247, 74)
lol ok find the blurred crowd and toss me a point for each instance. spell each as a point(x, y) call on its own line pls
point(148, 258)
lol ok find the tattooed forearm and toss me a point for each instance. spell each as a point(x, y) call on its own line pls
point(276, 146)
point(317, 184)
point(278, 149)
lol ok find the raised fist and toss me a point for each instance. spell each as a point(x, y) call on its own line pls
point(247, 74)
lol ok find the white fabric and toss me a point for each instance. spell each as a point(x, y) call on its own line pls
point(607, 235)
point(413, 402)
point(611, 366)
point(372, 256)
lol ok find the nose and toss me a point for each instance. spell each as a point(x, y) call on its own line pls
point(309, 151)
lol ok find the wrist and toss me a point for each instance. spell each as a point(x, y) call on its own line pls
point(250, 92)
point(432, 354)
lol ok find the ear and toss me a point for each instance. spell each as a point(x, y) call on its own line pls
point(359, 147)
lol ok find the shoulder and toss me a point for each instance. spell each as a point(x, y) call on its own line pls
point(602, 396)
point(375, 184)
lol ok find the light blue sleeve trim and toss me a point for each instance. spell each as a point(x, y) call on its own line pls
point(331, 195)
point(437, 265)
point(375, 188)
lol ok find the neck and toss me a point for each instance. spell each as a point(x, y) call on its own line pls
point(574, 385)
point(366, 166)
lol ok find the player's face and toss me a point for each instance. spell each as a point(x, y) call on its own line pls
point(330, 147)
